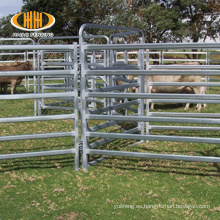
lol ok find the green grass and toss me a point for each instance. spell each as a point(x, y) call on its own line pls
point(116, 188)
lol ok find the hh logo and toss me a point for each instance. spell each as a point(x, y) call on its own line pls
point(33, 21)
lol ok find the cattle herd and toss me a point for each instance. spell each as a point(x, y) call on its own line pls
point(22, 66)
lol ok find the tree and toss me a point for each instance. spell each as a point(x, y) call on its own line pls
point(56, 8)
point(201, 18)
point(6, 29)
point(71, 14)
point(160, 20)
point(157, 21)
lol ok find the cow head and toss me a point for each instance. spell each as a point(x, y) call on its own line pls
point(27, 66)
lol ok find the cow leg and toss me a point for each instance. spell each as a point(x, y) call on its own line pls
point(13, 87)
point(152, 106)
point(199, 106)
point(203, 92)
point(5, 86)
point(197, 91)
point(151, 91)
point(187, 106)
point(187, 90)
point(204, 105)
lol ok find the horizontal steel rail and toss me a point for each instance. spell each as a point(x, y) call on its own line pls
point(154, 119)
point(156, 46)
point(186, 128)
point(38, 95)
point(191, 67)
point(37, 154)
point(154, 156)
point(183, 84)
point(38, 73)
point(37, 118)
point(38, 47)
point(155, 138)
point(37, 136)
point(206, 72)
point(176, 114)
point(184, 101)
point(152, 95)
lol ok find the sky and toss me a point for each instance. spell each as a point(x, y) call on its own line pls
point(10, 7)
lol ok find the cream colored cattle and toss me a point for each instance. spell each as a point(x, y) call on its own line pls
point(176, 89)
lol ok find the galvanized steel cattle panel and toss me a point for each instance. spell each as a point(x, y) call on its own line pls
point(71, 116)
point(111, 92)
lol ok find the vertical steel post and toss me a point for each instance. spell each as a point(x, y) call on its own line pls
point(76, 106)
point(147, 90)
point(141, 88)
point(83, 89)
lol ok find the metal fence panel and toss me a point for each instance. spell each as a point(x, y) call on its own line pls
point(38, 95)
point(96, 81)
point(94, 138)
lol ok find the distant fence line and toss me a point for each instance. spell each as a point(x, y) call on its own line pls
point(163, 60)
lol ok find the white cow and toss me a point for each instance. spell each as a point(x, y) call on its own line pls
point(176, 89)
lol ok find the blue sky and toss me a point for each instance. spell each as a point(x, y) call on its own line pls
point(10, 7)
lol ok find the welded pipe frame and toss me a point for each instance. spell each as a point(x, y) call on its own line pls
point(68, 60)
point(50, 64)
point(140, 96)
point(73, 94)
point(197, 70)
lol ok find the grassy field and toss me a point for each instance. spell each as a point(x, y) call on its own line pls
point(116, 188)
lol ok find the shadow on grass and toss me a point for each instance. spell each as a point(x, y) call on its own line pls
point(120, 163)
point(50, 162)
point(128, 163)
point(160, 165)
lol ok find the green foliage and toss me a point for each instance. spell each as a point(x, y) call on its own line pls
point(161, 21)
point(71, 14)
point(6, 29)
point(201, 18)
